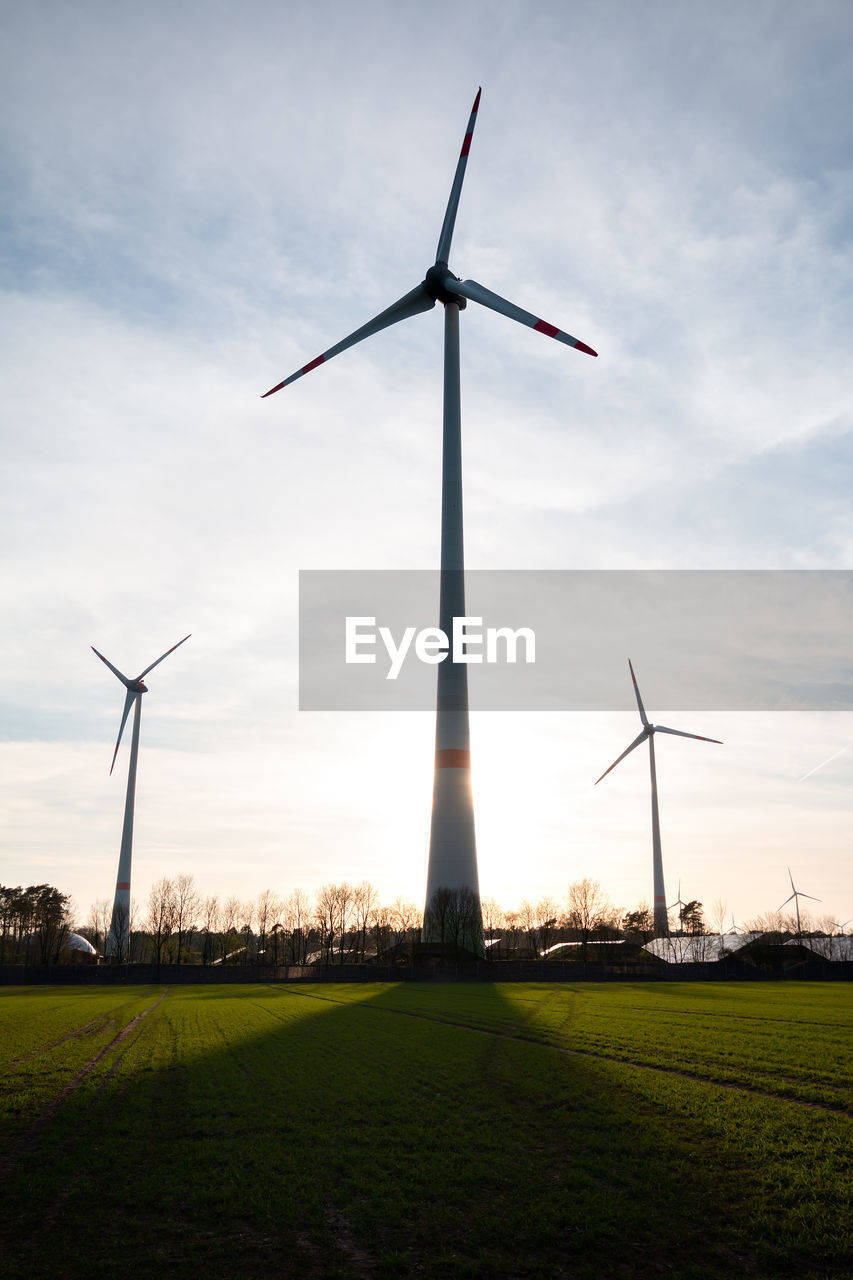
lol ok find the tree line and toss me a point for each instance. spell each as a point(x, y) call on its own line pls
point(342, 923)
point(34, 924)
point(347, 923)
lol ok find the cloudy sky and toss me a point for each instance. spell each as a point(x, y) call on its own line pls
point(200, 197)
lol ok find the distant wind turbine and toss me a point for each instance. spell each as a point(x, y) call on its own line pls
point(677, 903)
point(649, 731)
point(796, 895)
point(452, 852)
point(120, 921)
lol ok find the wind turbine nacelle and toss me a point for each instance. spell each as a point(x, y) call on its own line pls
point(139, 686)
point(434, 283)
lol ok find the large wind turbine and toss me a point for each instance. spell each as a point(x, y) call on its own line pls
point(120, 921)
point(796, 895)
point(452, 849)
point(649, 731)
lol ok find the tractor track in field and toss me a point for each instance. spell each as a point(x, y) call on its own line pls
point(693, 1077)
point(28, 1140)
point(97, 1022)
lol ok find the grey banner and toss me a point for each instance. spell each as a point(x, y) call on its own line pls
point(751, 640)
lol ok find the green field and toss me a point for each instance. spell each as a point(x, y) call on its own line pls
point(427, 1130)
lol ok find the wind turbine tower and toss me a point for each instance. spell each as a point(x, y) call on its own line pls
point(120, 921)
point(648, 732)
point(452, 848)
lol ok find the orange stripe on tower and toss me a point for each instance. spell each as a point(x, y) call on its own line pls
point(123, 884)
point(452, 758)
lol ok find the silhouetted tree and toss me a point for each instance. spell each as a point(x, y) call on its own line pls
point(50, 919)
point(453, 918)
point(160, 920)
point(186, 900)
point(691, 918)
point(588, 908)
point(639, 924)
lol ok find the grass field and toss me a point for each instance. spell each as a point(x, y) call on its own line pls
point(427, 1130)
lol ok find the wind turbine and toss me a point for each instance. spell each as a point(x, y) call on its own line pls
point(120, 921)
point(648, 732)
point(677, 903)
point(796, 895)
point(452, 849)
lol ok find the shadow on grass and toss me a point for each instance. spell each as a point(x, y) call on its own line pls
point(261, 1131)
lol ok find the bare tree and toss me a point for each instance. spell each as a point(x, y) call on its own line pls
point(407, 920)
point(772, 922)
point(526, 916)
point(493, 923)
point(383, 930)
point(296, 917)
point(247, 916)
point(547, 920)
point(209, 924)
point(267, 908)
point(326, 915)
point(513, 929)
point(186, 901)
point(138, 941)
point(831, 947)
point(364, 902)
point(98, 924)
point(335, 907)
point(119, 935)
point(229, 939)
point(160, 920)
point(718, 916)
point(453, 918)
point(588, 907)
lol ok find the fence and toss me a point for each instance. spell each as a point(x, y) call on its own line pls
point(446, 971)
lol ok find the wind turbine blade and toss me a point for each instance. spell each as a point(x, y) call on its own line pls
point(640, 738)
point(787, 900)
point(810, 896)
point(679, 733)
point(477, 293)
point(411, 305)
point(678, 902)
point(114, 670)
point(443, 251)
point(128, 703)
point(160, 659)
point(643, 715)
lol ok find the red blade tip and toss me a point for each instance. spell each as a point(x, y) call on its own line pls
point(581, 346)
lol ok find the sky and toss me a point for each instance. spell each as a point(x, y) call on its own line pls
point(197, 199)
